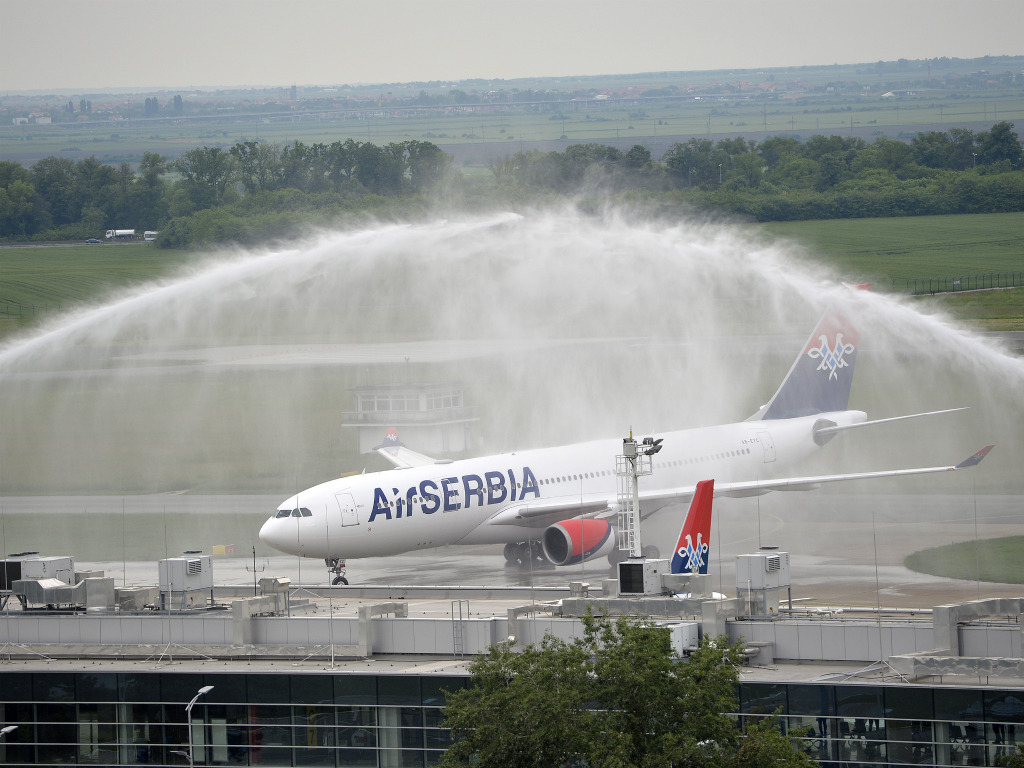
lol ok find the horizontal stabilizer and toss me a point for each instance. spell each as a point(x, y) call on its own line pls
point(833, 429)
point(400, 456)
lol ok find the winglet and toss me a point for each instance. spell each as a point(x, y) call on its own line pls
point(975, 459)
point(691, 552)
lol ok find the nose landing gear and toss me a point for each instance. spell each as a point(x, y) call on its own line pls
point(336, 568)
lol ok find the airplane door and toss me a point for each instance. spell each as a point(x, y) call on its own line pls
point(767, 446)
point(347, 505)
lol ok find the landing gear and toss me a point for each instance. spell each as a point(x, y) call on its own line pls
point(336, 567)
point(616, 556)
point(511, 553)
point(522, 553)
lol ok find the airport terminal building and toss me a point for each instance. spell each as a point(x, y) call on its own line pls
point(355, 676)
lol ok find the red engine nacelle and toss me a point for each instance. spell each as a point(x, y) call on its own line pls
point(573, 541)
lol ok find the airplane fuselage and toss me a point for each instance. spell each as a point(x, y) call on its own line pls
point(469, 501)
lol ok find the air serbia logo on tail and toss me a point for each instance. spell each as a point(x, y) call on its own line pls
point(836, 346)
point(691, 555)
point(831, 359)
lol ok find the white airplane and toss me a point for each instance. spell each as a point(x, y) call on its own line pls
point(565, 498)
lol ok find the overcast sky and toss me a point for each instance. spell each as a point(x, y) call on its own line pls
point(80, 45)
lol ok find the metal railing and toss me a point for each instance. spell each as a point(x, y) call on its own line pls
point(953, 284)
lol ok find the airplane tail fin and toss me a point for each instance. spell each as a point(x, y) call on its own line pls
point(822, 375)
point(691, 552)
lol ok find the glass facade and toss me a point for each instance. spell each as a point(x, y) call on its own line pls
point(129, 718)
point(342, 719)
point(866, 725)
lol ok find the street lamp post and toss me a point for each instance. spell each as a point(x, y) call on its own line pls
point(6, 730)
point(188, 715)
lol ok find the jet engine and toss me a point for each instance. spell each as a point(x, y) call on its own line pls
point(572, 541)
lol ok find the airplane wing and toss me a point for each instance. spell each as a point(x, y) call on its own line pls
point(535, 514)
point(758, 487)
point(543, 512)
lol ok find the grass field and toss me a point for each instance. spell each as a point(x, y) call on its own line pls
point(889, 252)
point(995, 560)
point(38, 281)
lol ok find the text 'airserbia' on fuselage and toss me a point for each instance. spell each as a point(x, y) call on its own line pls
point(562, 501)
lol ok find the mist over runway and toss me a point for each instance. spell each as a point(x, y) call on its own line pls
point(179, 414)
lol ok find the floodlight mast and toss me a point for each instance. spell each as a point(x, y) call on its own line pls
point(634, 462)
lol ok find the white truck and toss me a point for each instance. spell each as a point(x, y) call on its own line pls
point(120, 234)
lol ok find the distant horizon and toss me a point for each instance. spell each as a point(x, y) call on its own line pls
point(150, 89)
point(67, 46)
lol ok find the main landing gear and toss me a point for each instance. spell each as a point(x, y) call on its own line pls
point(336, 567)
point(522, 553)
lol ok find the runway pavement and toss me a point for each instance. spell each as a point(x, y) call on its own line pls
point(844, 549)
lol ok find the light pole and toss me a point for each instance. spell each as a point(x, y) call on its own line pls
point(7, 729)
point(188, 714)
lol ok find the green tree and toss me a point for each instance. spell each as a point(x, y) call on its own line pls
point(258, 164)
point(56, 181)
point(1001, 143)
point(778, 149)
point(523, 709)
point(615, 697)
point(16, 206)
point(933, 149)
point(692, 163)
point(427, 164)
point(764, 744)
point(205, 176)
point(637, 157)
point(1013, 760)
point(150, 194)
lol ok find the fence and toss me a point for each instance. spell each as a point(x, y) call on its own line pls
point(918, 286)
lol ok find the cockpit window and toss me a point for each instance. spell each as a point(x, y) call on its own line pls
point(302, 512)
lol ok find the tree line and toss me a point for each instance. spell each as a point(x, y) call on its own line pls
point(62, 199)
point(256, 190)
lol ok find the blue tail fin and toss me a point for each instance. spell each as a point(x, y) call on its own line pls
point(822, 375)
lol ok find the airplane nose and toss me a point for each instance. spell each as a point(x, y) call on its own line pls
point(274, 535)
